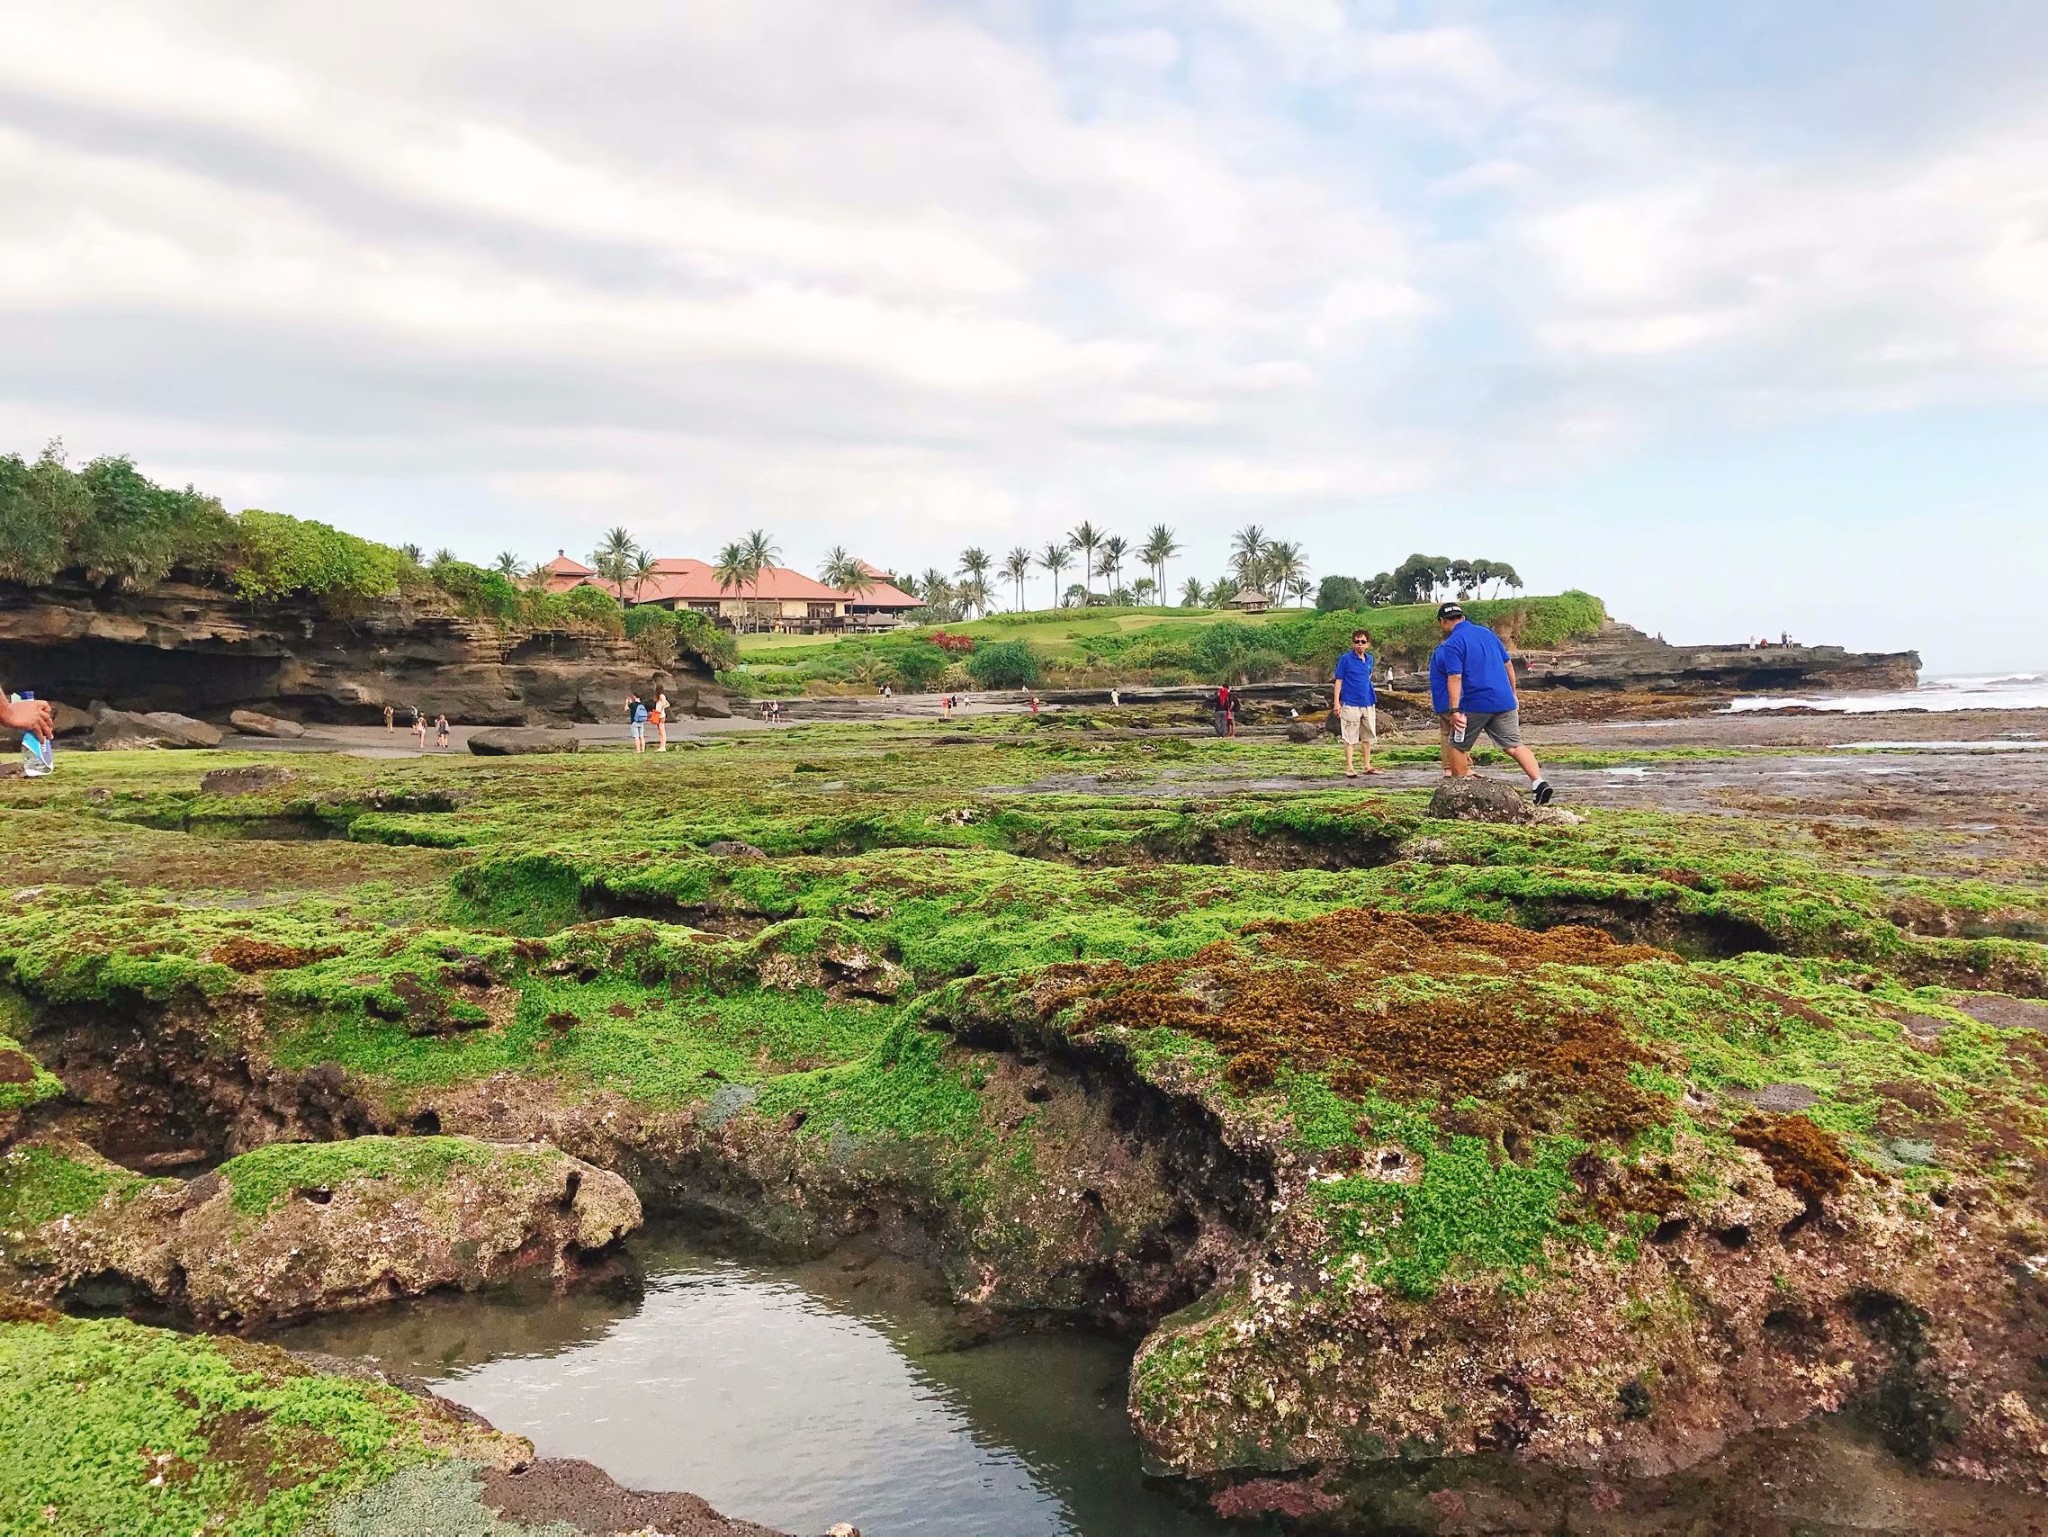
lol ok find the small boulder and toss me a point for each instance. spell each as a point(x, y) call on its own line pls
point(296, 1229)
point(732, 848)
point(254, 723)
point(515, 741)
point(1476, 799)
point(69, 720)
point(249, 780)
point(1304, 731)
point(123, 731)
point(711, 705)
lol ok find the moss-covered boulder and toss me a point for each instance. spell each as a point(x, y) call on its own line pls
point(1581, 1203)
point(296, 1229)
point(112, 1427)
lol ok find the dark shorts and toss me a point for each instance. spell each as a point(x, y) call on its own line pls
point(1504, 726)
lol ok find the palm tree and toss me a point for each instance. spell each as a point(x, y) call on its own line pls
point(1193, 593)
point(1144, 589)
point(974, 565)
point(1056, 557)
point(733, 571)
point(842, 571)
point(1159, 549)
point(1087, 539)
point(973, 596)
point(444, 556)
point(507, 564)
point(1114, 549)
point(937, 593)
point(1284, 566)
point(413, 553)
point(1017, 566)
point(762, 552)
point(1248, 552)
point(642, 572)
point(613, 560)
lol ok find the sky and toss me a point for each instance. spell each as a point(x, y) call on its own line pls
point(1731, 311)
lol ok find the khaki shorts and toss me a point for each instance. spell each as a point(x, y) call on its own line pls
point(1504, 726)
point(1351, 717)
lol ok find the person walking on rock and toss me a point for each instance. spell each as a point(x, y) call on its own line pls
point(1353, 698)
point(1479, 683)
point(388, 725)
point(441, 730)
point(419, 728)
point(639, 724)
point(659, 715)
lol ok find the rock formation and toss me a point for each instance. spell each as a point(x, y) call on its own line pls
point(1622, 657)
point(210, 653)
point(295, 1229)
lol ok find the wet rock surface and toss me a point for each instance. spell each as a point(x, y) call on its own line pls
point(1478, 798)
point(510, 742)
point(292, 1230)
point(255, 723)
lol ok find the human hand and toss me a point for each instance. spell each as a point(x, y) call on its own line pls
point(30, 715)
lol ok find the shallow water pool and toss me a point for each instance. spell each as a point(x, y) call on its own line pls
point(793, 1396)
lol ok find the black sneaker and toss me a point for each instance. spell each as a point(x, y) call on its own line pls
point(1542, 791)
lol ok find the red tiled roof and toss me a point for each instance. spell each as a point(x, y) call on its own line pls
point(562, 565)
point(678, 579)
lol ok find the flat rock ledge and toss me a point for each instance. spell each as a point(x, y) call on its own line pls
point(297, 1229)
point(515, 741)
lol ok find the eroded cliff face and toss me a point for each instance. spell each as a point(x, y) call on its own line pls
point(205, 652)
point(1621, 657)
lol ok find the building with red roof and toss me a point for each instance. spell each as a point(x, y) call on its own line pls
point(564, 573)
point(783, 599)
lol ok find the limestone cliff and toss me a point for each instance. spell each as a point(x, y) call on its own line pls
point(205, 652)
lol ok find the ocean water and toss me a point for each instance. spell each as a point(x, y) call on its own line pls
point(2005, 691)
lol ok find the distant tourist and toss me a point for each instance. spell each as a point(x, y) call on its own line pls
point(1353, 698)
point(1034, 704)
point(659, 715)
point(1115, 699)
point(419, 727)
point(1479, 680)
point(441, 730)
point(946, 706)
point(1226, 711)
point(639, 724)
point(388, 724)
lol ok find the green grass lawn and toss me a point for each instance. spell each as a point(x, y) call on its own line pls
point(1057, 632)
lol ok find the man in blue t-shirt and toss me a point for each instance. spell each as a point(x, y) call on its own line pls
point(1479, 687)
point(1353, 699)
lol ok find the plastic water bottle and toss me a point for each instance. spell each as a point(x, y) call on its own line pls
point(37, 756)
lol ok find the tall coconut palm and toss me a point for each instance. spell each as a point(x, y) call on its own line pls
point(732, 571)
point(938, 593)
point(762, 552)
point(975, 565)
point(972, 594)
point(1114, 550)
point(413, 553)
point(842, 571)
point(1144, 590)
point(1017, 566)
point(1056, 557)
point(1192, 593)
point(642, 572)
point(1159, 549)
point(1248, 552)
point(613, 559)
point(1284, 567)
point(507, 564)
point(1086, 540)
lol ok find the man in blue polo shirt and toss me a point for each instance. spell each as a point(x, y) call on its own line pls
point(1353, 698)
point(1479, 686)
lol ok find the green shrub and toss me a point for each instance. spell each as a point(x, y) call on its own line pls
point(1004, 664)
point(40, 505)
point(918, 665)
point(275, 555)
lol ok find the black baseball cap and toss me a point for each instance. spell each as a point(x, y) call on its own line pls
point(1450, 611)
